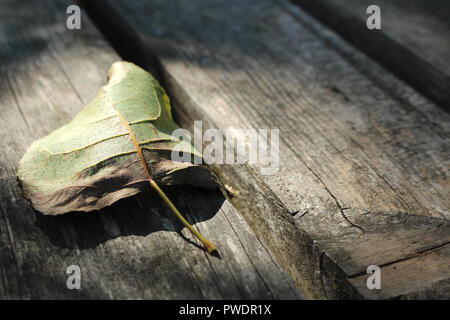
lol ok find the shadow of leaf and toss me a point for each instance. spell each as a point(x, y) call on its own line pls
point(140, 215)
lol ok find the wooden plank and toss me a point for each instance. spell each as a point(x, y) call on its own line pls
point(364, 162)
point(412, 275)
point(133, 249)
point(413, 41)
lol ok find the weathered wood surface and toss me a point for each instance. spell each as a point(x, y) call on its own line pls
point(364, 160)
point(133, 249)
point(417, 273)
point(414, 40)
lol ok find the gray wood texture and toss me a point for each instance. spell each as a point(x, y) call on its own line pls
point(364, 158)
point(135, 249)
point(414, 40)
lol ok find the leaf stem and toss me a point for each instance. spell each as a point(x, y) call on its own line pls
point(208, 244)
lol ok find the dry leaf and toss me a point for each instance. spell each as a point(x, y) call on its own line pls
point(112, 149)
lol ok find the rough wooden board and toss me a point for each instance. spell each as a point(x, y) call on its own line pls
point(133, 249)
point(364, 159)
point(413, 41)
point(412, 275)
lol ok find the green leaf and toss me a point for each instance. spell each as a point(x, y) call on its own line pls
point(93, 161)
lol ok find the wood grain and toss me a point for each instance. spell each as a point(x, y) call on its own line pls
point(425, 270)
point(135, 249)
point(364, 160)
point(413, 41)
